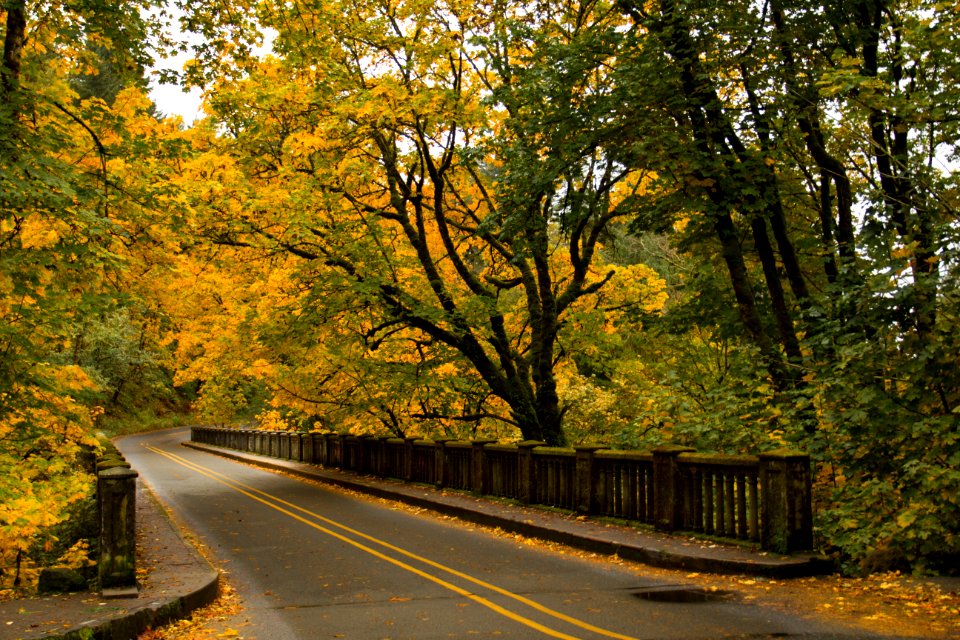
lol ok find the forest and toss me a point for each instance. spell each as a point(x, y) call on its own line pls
point(728, 225)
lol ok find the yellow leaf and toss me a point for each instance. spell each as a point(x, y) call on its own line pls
point(906, 519)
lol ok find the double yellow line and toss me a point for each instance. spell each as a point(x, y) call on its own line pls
point(295, 511)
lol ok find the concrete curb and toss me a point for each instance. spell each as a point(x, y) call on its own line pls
point(629, 544)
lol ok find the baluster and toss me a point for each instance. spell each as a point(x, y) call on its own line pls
point(630, 492)
point(616, 491)
point(552, 492)
point(742, 506)
point(610, 489)
point(721, 500)
point(698, 499)
point(708, 501)
point(730, 528)
point(651, 508)
point(689, 520)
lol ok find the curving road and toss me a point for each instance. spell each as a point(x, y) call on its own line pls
point(311, 562)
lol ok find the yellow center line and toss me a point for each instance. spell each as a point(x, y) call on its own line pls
point(486, 585)
point(399, 563)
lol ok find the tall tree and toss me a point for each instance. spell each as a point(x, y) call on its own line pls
point(64, 221)
point(807, 140)
point(399, 145)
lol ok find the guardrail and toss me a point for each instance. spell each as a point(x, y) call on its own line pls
point(765, 498)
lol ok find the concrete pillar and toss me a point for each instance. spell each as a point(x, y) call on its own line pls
point(408, 457)
point(668, 487)
point(367, 457)
point(307, 449)
point(786, 512)
point(481, 483)
point(296, 447)
point(117, 490)
point(586, 480)
point(345, 462)
point(383, 466)
point(527, 470)
point(440, 453)
point(326, 447)
point(274, 438)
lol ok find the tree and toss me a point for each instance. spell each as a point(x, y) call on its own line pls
point(395, 148)
point(807, 159)
point(65, 216)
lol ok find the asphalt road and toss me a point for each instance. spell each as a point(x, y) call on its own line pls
point(311, 562)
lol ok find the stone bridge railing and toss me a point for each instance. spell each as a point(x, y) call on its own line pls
point(764, 498)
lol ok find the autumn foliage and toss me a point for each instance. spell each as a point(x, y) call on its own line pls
point(725, 225)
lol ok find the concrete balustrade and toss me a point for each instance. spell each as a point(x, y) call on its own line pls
point(765, 498)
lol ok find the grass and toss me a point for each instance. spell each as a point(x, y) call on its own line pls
point(142, 420)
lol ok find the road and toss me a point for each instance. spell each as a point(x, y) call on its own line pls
point(313, 562)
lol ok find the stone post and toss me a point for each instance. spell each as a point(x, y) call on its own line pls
point(325, 445)
point(288, 445)
point(307, 448)
point(585, 484)
point(117, 490)
point(478, 463)
point(382, 462)
point(319, 447)
point(786, 512)
point(296, 446)
point(344, 452)
point(527, 470)
point(408, 457)
point(272, 444)
point(367, 460)
point(440, 453)
point(668, 487)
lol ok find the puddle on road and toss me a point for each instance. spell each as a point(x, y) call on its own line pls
point(683, 594)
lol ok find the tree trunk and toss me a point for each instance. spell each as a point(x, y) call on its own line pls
point(13, 45)
point(746, 301)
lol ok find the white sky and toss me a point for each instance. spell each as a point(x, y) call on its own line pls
point(171, 100)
